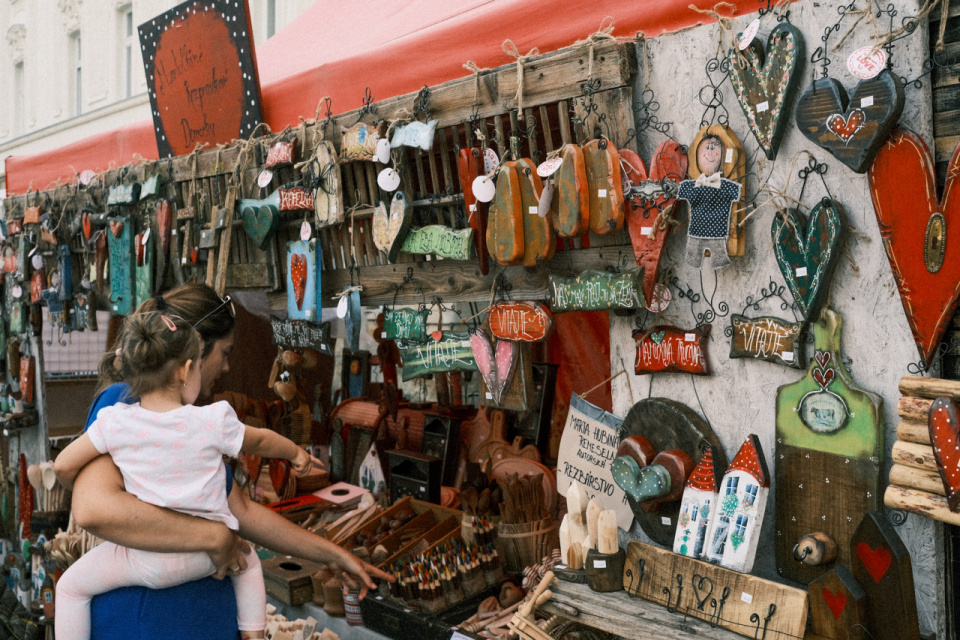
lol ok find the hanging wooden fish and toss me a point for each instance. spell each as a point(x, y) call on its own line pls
point(143, 245)
point(390, 229)
point(360, 141)
point(120, 239)
point(732, 165)
point(918, 230)
point(829, 453)
point(470, 167)
point(505, 221)
point(852, 128)
point(538, 241)
point(260, 218)
point(605, 187)
point(415, 134)
point(570, 206)
point(302, 280)
point(807, 253)
point(765, 82)
point(328, 192)
point(496, 364)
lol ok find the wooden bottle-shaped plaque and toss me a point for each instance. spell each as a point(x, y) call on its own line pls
point(829, 451)
point(120, 239)
point(505, 222)
point(470, 167)
point(605, 185)
point(538, 242)
point(570, 207)
point(733, 167)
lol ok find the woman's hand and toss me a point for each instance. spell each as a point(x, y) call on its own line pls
point(354, 571)
point(227, 554)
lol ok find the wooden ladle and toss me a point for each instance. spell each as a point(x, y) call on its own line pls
point(35, 476)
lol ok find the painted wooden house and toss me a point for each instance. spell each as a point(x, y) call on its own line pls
point(735, 524)
point(698, 505)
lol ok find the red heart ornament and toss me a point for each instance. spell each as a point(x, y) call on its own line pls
point(877, 561)
point(823, 377)
point(194, 254)
point(845, 129)
point(943, 424)
point(87, 224)
point(279, 475)
point(904, 190)
point(116, 226)
point(836, 602)
point(823, 357)
point(298, 275)
point(437, 335)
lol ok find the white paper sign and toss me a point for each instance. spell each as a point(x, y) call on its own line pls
point(729, 156)
point(801, 272)
point(763, 106)
point(866, 102)
point(533, 210)
point(601, 193)
point(749, 34)
point(665, 521)
point(787, 356)
point(690, 337)
point(747, 597)
point(599, 564)
point(588, 446)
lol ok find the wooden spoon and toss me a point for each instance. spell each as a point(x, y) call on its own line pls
point(35, 476)
point(49, 482)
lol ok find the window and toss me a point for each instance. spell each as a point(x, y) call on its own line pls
point(720, 537)
point(732, 484)
point(76, 75)
point(271, 18)
point(740, 527)
point(19, 99)
point(128, 47)
point(750, 495)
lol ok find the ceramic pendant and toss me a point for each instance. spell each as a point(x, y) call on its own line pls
point(851, 127)
point(496, 365)
point(765, 81)
point(415, 134)
point(917, 230)
point(470, 167)
point(538, 241)
point(605, 187)
point(260, 218)
point(302, 280)
point(570, 208)
point(808, 252)
point(505, 222)
point(120, 239)
point(390, 229)
point(328, 193)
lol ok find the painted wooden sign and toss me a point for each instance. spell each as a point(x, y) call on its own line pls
point(301, 334)
point(650, 205)
point(390, 228)
point(881, 564)
point(596, 290)
point(328, 193)
point(14, 305)
point(38, 282)
point(360, 141)
point(943, 426)
point(505, 219)
point(733, 166)
point(766, 338)
point(452, 352)
point(838, 606)
point(808, 252)
point(670, 349)
point(405, 324)
point(84, 308)
point(415, 134)
point(303, 280)
point(538, 241)
point(852, 128)
point(696, 510)
point(27, 368)
point(605, 186)
point(295, 199)
point(669, 426)
point(120, 239)
point(765, 82)
point(440, 240)
point(570, 207)
point(121, 194)
point(260, 218)
point(903, 186)
point(829, 452)
point(520, 321)
point(201, 75)
point(151, 187)
point(9, 259)
point(470, 167)
point(281, 154)
point(496, 364)
point(65, 264)
point(143, 276)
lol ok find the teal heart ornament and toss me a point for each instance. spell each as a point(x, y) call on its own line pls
point(641, 483)
point(260, 218)
point(765, 81)
point(808, 251)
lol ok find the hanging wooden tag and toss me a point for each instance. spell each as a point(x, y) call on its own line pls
point(440, 240)
point(505, 221)
point(520, 321)
point(405, 324)
point(302, 280)
point(570, 207)
point(123, 194)
point(605, 187)
point(151, 187)
point(281, 154)
point(360, 142)
point(496, 364)
point(295, 199)
point(121, 266)
point(829, 452)
point(390, 228)
point(538, 241)
point(596, 290)
point(14, 307)
point(38, 281)
point(9, 259)
point(733, 166)
point(470, 167)
point(14, 227)
point(670, 349)
point(31, 215)
point(452, 352)
point(766, 338)
point(328, 196)
point(144, 244)
point(260, 218)
point(415, 134)
point(26, 378)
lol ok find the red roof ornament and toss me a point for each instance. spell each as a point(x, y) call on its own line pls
point(750, 459)
point(703, 477)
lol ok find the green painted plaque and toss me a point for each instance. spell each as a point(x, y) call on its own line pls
point(452, 352)
point(120, 239)
point(144, 268)
point(597, 290)
point(439, 240)
point(404, 324)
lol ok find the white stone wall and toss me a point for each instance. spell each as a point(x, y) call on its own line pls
point(739, 398)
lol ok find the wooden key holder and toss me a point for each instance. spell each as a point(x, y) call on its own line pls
point(604, 571)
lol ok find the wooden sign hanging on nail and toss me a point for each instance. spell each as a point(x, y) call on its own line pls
point(328, 195)
point(303, 280)
point(838, 606)
point(437, 239)
point(520, 321)
point(605, 186)
point(144, 249)
point(671, 349)
point(505, 219)
point(452, 352)
point(596, 290)
point(391, 225)
point(538, 241)
point(570, 207)
point(766, 338)
point(470, 167)
point(120, 241)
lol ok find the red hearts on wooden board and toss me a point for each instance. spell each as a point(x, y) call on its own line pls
point(943, 424)
point(904, 189)
point(876, 561)
point(846, 128)
point(836, 602)
point(116, 226)
point(87, 225)
point(298, 275)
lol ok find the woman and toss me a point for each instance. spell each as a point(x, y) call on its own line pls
point(204, 608)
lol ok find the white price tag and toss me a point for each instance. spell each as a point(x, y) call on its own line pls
point(763, 106)
point(801, 272)
point(599, 564)
point(473, 207)
point(379, 597)
point(665, 521)
point(173, 231)
point(646, 231)
point(115, 307)
point(787, 356)
point(146, 236)
point(866, 102)
point(532, 210)
point(489, 396)
point(601, 193)
point(748, 34)
point(729, 156)
point(383, 335)
point(690, 337)
point(746, 597)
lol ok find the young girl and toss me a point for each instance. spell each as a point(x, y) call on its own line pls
point(169, 453)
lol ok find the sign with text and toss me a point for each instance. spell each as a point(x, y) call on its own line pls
point(452, 352)
point(201, 75)
point(439, 240)
point(669, 349)
point(405, 324)
point(596, 290)
point(766, 338)
point(588, 446)
point(520, 321)
point(301, 334)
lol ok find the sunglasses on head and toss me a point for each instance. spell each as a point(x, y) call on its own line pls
point(225, 302)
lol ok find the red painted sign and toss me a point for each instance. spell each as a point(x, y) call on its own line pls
point(201, 74)
point(520, 321)
point(295, 198)
point(670, 349)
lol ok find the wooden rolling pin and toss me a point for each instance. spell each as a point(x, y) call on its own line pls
point(913, 478)
point(539, 595)
point(921, 503)
point(914, 455)
point(911, 431)
point(931, 388)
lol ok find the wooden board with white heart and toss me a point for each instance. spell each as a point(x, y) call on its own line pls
point(390, 228)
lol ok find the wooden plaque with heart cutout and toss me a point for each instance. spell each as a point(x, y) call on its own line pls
point(838, 606)
point(303, 280)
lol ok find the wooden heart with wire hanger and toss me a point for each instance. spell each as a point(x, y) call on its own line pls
point(496, 365)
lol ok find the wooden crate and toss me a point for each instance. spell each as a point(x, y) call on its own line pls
point(288, 579)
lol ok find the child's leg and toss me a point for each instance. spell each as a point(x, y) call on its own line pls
point(251, 598)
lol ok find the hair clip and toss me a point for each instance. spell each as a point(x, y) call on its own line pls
point(167, 321)
point(117, 353)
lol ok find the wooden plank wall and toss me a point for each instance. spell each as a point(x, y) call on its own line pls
point(552, 88)
point(946, 91)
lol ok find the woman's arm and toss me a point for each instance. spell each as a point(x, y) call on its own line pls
point(105, 509)
point(268, 529)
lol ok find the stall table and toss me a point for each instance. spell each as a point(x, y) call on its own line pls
point(336, 624)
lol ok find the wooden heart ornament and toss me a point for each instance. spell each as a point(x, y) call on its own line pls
point(852, 128)
point(917, 231)
point(765, 82)
point(807, 252)
point(260, 218)
point(943, 425)
point(390, 229)
point(298, 274)
point(496, 365)
point(836, 602)
point(877, 561)
point(116, 227)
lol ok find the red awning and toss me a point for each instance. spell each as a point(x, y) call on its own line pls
point(338, 48)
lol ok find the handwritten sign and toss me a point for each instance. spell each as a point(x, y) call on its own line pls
point(767, 338)
point(596, 290)
point(520, 321)
point(405, 324)
point(201, 74)
point(295, 199)
point(452, 352)
point(670, 349)
point(301, 334)
point(439, 240)
point(588, 446)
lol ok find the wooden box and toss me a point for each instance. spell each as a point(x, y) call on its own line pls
point(288, 579)
point(441, 438)
point(414, 474)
